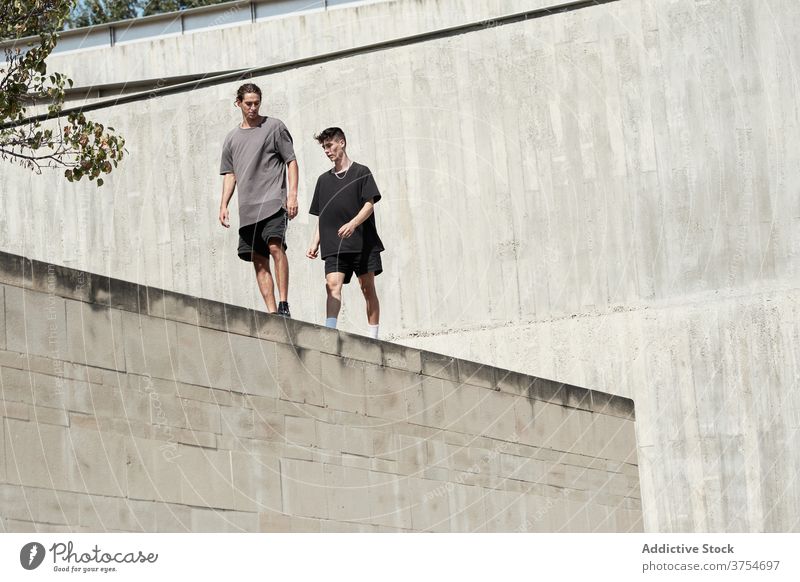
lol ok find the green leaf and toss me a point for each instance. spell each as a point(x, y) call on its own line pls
point(78, 144)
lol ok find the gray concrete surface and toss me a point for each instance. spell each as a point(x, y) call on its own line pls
point(606, 197)
point(266, 424)
point(276, 40)
point(189, 21)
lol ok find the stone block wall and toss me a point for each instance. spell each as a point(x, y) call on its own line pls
point(130, 408)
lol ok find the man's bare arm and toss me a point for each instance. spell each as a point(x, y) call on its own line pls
point(228, 186)
point(348, 229)
point(313, 250)
point(291, 197)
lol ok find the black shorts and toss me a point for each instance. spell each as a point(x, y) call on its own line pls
point(358, 263)
point(254, 237)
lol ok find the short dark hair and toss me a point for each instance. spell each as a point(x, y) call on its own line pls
point(331, 133)
point(247, 88)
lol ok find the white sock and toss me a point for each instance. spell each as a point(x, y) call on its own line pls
point(330, 322)
point(373, 330)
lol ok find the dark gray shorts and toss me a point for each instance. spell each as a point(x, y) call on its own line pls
point(254, 237)
point(359, 263)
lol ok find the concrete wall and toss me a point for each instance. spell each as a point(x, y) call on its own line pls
point(130, 408)
point(189, 21)
point(607, 197)
point(283, 38)
point(715, 385)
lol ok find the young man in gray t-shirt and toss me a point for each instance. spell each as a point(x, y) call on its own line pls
point(257, 155)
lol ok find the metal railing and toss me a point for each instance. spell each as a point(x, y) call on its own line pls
point(176, 23)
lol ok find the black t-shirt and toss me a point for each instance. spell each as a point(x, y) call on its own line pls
point(337, 201)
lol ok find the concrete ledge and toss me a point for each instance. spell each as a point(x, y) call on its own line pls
point(70, 283)
point(147, 410)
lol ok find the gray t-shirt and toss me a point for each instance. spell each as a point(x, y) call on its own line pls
point(257, 156)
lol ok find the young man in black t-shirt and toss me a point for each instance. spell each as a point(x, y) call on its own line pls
point(344, 199)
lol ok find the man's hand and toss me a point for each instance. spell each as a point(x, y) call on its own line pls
point(291, 206)
point(228, 186)
point(347, 230)
point(312, 252)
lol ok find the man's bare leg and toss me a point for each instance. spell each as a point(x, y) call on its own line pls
point(264, 280)
point(281, 267)
point(333, 287)
point(367, 281)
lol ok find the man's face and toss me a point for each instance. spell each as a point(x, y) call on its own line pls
point(249, 105)
point(334, 149)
